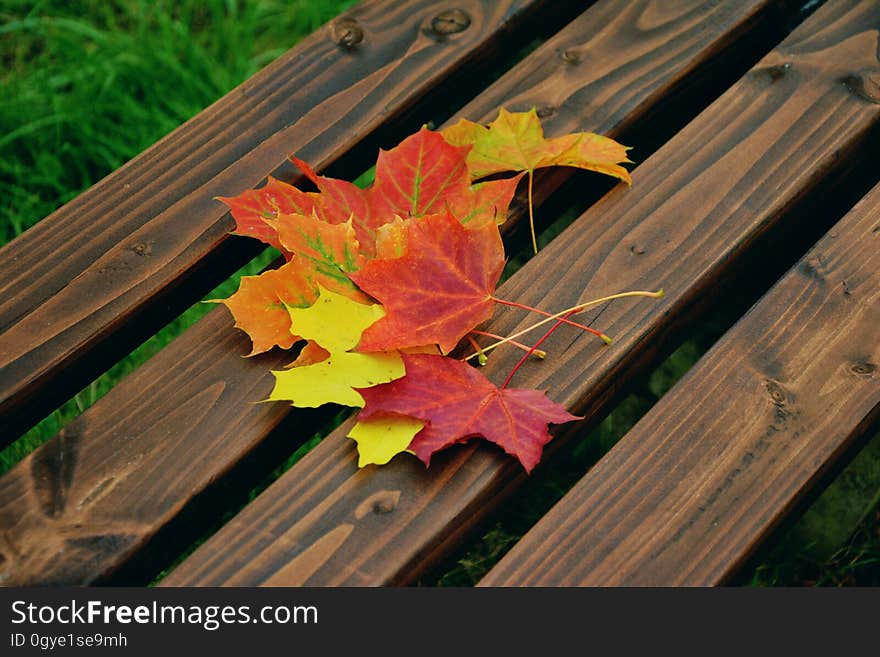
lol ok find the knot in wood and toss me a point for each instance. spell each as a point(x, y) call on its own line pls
point(142, 249)
point(381, 507)
point(776, 392)
point(547, 110)
point(813, 268)
point(865, 85)
point(777, 72)
point(346, 32)
point(865, 370)
point(450, 21)
point(379, 503)
point(570, 56)
point(384, 504)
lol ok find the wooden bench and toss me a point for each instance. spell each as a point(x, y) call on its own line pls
point(753, 154)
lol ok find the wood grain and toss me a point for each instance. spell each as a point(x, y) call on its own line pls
point(690, 491)
point(86, 284)
point(694, 208)
point(48, 499)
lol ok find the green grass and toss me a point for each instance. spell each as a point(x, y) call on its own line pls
point(85, 86)
point(88, 85)
point(836, 542)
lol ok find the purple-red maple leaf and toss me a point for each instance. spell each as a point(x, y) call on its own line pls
point(458, 403)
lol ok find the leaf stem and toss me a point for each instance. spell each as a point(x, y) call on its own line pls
point(481, 357)
point(532, 213)
point(564, 320)
point(549, 332)
point(569, 311)
point(540, 353)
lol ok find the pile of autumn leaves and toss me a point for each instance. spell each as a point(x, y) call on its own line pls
point(382, 283)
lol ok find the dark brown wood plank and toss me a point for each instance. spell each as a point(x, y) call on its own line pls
point(703, 478)
point(694, 208)
point(86, 284)
point(124, 471)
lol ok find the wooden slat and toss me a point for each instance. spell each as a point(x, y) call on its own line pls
point(92, 497)
point(693, 209)
point(689, 492)
point(90, 281)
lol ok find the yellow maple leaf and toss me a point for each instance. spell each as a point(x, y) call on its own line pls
point(379, 439)
point(335, 323)
point(515, 142)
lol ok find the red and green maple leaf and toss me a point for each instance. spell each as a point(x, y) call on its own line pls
point(424, 174)
point(256, 211)
point(420, 175)
point(458, 403)
point(440, 289)
point(488, 202)
point(331, 250)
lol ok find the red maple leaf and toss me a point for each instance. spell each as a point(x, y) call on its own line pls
point(424, 174)
point(340, 200)
point(458, 403)
point(439, 290)
point(488, 202)
point(256, 211)
point(421, 175)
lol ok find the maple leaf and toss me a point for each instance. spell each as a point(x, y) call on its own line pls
point(334, 379)
point(259, 305)
point(458, 403)
point(324, 254)
point(439, 290)
point(256, 211)
point(310, 354)
point(515, 142)
point(340, 200)
point(381, 438)
point(343, 201)
point(488, 203)
point(391, 239)
point(331, 250)
point(422, 175)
